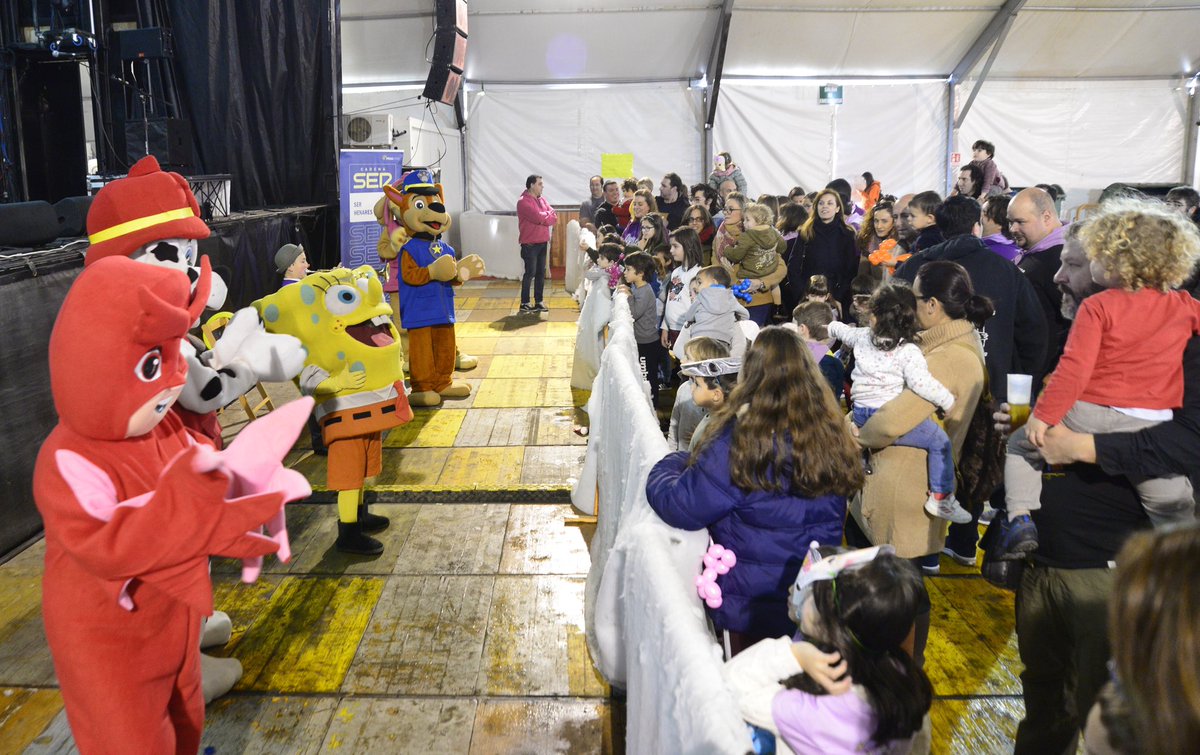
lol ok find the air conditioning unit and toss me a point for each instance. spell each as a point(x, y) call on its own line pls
point(367, 130)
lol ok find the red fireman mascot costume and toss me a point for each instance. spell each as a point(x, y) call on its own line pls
point(134, 504)
point(151, 216)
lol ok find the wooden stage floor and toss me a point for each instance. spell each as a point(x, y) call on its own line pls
point(466, 635)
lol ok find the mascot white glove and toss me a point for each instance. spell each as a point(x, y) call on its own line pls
point(272, 357)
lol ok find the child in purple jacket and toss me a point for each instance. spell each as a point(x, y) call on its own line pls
point(768, 475)
point(849, 682)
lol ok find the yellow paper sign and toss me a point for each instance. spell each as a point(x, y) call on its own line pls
point(616, 164)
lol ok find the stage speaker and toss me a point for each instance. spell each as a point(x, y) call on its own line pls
point(451, 14)
point(28, 224)
point(144, 44)
point(72, 216)
point(449, 52)
point(170, 141)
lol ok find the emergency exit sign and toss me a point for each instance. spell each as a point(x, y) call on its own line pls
point(830, 94)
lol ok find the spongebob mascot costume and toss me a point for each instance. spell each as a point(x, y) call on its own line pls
point(353, 371)
point(414, 216)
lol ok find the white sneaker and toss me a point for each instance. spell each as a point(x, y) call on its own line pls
point(988, 514)
point(947, 508)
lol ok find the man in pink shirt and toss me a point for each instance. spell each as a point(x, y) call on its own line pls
point(535, 218)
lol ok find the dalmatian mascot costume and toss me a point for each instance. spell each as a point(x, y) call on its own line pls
point(152, 216)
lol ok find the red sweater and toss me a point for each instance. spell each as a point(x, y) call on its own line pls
point(1126, 350)
point(535, 218)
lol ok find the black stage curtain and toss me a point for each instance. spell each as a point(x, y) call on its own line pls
point(241, 249)
point(259, 80)
point(26, 408)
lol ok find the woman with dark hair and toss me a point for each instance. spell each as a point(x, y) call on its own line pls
point(877, 227)
point(970, 182)
point(825, 246)
point(698, 219)
point(890, 508)
point(791, 218)
point(871, 191)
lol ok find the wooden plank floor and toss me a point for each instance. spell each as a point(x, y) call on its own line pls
point(466, 635)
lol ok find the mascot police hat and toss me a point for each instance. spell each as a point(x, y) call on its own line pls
point(146, 206)
point(418, 181)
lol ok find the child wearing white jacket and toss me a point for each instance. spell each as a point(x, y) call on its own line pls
point(886, 361)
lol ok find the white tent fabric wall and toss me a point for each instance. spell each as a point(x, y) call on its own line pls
point(1080, 135)
point(560, 134)
point(781, 136)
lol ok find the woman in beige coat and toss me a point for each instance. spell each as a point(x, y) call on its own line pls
point(890, 507)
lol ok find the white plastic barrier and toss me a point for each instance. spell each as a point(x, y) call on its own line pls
point(573, 273)
point(589, 337)
point(495, 239)
point(646, 627)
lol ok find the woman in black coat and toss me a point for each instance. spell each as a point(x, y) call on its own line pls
point(826, 247)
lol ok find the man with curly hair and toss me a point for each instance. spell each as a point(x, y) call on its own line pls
point(1121, 368)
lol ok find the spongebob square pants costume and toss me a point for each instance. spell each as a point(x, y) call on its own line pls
point(353, 370)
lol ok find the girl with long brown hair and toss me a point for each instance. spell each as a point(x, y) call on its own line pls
point(769, 476)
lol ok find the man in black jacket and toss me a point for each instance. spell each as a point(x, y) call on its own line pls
point(1035, 227)
point(1015, 336)
point(673, 200)
point(1088, 512)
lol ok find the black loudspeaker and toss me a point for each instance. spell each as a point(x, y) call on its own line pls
point(451, 14)
point(28, 223)
point(449, 52)
point(51, 135)
point(72, 216)
point(150, 43)
point(170, 141)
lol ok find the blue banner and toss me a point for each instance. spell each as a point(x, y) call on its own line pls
point(364, 173)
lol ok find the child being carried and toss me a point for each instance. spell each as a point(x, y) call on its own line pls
point(886, 361)
point(1122, 367)
point(760, 247)
point(714, 312)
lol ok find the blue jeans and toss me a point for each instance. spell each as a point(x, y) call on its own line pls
point(760, 314)
point(932, 439)
point(534, 257)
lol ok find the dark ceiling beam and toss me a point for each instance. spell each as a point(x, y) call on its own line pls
point(716, 61)
point(992, 32)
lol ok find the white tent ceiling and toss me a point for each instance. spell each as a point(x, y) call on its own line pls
point(1078, 92)
point(526, 41)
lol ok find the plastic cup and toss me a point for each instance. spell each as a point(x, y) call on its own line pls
point(1019, 388)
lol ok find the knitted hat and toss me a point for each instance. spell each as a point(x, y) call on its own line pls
point(147, 205)
point(286, 255)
